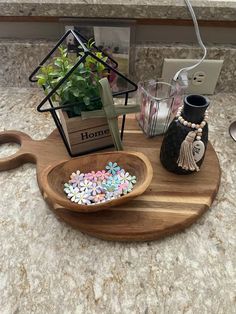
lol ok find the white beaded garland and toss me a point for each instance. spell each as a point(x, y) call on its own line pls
point(198, 127)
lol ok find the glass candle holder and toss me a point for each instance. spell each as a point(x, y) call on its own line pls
point(159, 102)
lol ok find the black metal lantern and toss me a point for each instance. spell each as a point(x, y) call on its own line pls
point(81, 49)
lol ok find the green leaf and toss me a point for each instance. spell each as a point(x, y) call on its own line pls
point(58, 62)
point(75, 92)
point(53, 74)
point(39, 76)
point(86, 101)
point(42, 81)
point(79, 78)
point(55, 81)
point(91, 42)
point(99, 55)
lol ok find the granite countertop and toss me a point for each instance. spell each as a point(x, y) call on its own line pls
point(47, 267)
point(133, 9)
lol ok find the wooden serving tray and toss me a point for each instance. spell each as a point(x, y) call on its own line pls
point(170, 204)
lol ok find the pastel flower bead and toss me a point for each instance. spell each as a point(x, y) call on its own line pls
point(95, 189)
point(120, 171)
point(128, 189)
point(73, 194)
point(67, 187)
point(91, 176)
point(133, 179)
point(76, 177)
point(103, 175)
point(122, 187)
point(83, 198)
point(110, 196)
point(98, 198)
point(113, 180)
point(124, 177)
point(107, 187)
point(112, 167)
point(85, 185)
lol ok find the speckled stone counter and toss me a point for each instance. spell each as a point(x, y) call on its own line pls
point(47, 267)
point(19, 58)
point(135, 9)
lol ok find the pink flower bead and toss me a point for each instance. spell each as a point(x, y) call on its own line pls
point(123, 186)
point(103, 175)
point(76, 177)
point(91, 176)
point(98, 198)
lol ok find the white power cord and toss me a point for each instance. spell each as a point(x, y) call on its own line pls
point(184, 70)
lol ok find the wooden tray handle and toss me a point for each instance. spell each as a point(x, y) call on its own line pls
point(22, 155)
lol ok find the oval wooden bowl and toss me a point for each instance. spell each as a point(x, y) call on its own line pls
point(135, 163)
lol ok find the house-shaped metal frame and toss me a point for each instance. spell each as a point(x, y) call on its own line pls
point(110, 67)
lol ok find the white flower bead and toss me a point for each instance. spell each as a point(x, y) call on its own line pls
point(185, 122)
point(193, 125)
point(179, 118)
point(199, 130)
point(198, 138)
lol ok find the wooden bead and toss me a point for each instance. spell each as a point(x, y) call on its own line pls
point(199, 127)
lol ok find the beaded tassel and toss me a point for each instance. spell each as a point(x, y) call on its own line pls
point(186, 159)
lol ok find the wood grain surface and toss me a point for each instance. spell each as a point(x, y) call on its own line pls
point(170, 204)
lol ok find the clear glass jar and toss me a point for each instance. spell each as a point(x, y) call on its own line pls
point(159, 102)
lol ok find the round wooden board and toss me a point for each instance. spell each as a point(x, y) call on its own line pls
point(170, 204)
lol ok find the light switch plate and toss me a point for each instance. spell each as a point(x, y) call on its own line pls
point(202, 79)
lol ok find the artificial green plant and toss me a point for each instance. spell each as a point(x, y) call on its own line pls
point(81, 86)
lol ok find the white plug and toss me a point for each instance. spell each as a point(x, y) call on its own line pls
point(183, 79)
point(199, 39)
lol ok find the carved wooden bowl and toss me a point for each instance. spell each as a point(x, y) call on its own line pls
point(55, 176)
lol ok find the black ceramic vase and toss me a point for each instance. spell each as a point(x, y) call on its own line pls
point(193, 111)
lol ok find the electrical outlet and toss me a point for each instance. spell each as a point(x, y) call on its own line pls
point(202, 79)
point(198, 78)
